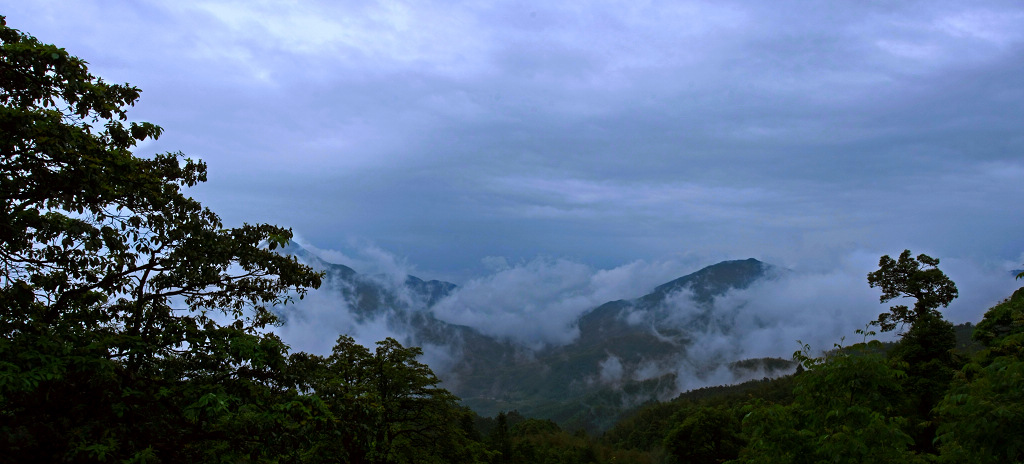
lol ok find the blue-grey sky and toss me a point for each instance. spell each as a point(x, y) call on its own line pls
point(455, 136)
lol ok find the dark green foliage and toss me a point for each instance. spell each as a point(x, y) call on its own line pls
point(980, 416)
point(535, 427)
point(708, 436)
point(647, 427)
point(487, 425)
point(920, 414)
point(644, 429)
point(385, 406)
point(1000, 322)
point(966, 344)
point(842, 413)
point(927, 351)
point(515, 439)
point(910, 278)
point(500, 440)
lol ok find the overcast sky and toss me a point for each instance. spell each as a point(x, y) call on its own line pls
point(458, 136)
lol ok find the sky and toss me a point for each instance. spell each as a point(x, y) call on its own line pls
point(461, 140)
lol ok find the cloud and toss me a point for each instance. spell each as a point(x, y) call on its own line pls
point(820, 308)
point(537, 303)
point(369, 260)
point(611, 370)
point(817, 308)
point(448, 133)
point(602, 133)
point(314, 323)
point(981, 285)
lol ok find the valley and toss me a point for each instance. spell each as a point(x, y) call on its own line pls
point(627, 352)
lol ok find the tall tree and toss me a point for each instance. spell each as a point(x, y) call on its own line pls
point(926, 348)
point(109, 276)
point(501, 441)
point(908, 277)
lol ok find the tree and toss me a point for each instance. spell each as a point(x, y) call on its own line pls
point(982, 413)
point(927, 352)
point(413, 419)
point(384, 407)
point(926, 348)
point(500, 440)
point(708, 436)
point(110, 275)
point(908, 277)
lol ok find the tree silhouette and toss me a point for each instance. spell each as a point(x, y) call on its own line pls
point(908, 277)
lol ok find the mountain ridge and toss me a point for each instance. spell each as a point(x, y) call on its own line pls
point(628, 351)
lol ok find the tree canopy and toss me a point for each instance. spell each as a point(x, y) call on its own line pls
point(908, 277)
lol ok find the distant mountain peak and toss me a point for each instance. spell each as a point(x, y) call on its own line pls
point(714, 280)
point(609, 319)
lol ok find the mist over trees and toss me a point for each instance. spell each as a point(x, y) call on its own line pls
point(134, 328)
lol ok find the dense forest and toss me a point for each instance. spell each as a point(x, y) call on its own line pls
point(135, 329)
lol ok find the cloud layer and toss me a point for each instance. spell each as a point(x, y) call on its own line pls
point(602, 133)
point(537, 304)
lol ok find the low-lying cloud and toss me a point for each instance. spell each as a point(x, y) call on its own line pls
point(314, 323)
point(820, 309)
point(537, 303)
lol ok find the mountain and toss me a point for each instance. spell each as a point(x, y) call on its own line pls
point(628, 351)
point(368, 296)
point(700, 288)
